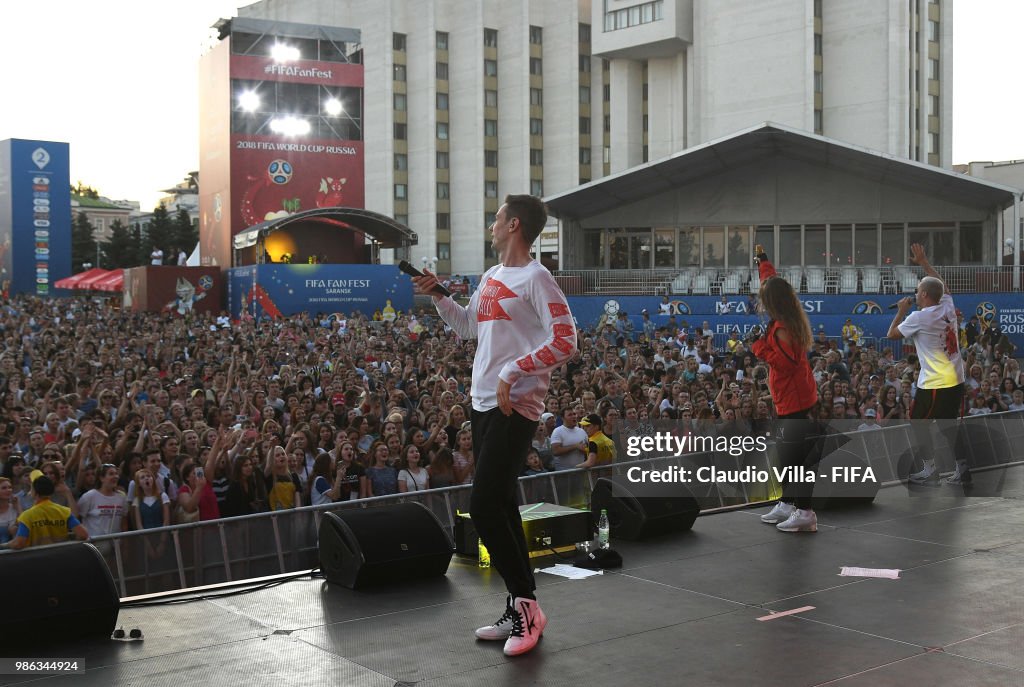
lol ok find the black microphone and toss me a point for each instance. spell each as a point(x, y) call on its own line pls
point(894, 305)
point(413, 272)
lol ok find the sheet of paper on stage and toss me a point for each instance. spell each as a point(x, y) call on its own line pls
point(569, 571)
point(886, 573)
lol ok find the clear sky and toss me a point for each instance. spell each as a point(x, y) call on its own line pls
point(117, 79)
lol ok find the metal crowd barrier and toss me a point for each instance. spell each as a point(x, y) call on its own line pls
point(264, 544)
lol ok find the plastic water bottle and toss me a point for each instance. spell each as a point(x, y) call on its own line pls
point(483, 559)
point(603, 530)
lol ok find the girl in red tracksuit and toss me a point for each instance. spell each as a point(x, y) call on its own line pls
point(784, 347)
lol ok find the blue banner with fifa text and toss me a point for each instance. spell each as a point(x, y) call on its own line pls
point(869, 312)
point(273, 290)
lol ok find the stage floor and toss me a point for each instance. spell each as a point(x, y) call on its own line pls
point(684, 609)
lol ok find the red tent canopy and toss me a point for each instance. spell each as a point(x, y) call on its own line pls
point(114, 281)
point(90, 282)
point(73, 281)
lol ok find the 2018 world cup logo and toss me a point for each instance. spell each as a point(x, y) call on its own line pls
point(280, 171)
point(867, 308)
point(986, 312)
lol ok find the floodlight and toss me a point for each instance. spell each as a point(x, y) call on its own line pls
point(249, 101)
point(333, 107)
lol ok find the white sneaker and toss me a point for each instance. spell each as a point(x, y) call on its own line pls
point(800, 521)
point(960, 477)
point(779, 513)
point(930, 473)
point(528, 622)
point(501, 628)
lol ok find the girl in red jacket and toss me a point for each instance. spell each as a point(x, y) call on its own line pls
point(784, 347)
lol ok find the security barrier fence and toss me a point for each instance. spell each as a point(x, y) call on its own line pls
point(264, 544)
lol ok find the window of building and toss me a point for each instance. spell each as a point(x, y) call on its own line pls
point(401, 161)
point(400, 102)
point(585, 63)
point(933, 68)
point(536, 66)
point(934, 140)
point(584, 180)
point(442, 131)
point(584, 33)
point(643, 123)
point(442, 101)
point(491, 189)
point(442, 40)
point(490, 67)
point(970, 243)
point(442, 190)
point(490, 98)
point(933, 30)
point(584, 95)
point(865, 244)
point(490, 127)
point(399, 72)
point(764, 236)
point(400, 131)
point(490, 38)
point(398, 42)
point(536, 97)
point(442, 159)
point(607, 123)
point(441, 71)
point(933, 102)
point(536, 157)
point(584, 125)
point(536, 35)
point(536, 126)
point(401, 192)
point(584, 156)
point(818, 121)
point(444, 220)
point(814, 245)
point(606, 155)
point(444, 251)
point(893, 245)
point(789, 246)
point(818, 78)
point(840, 245)
point(817, 8)
point(490, 158)
point(817, 44)
point(606, 92)
point(536, 187)
point(402, 219)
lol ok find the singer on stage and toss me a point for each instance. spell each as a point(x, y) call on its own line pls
point(784, 345)
point(524, 330)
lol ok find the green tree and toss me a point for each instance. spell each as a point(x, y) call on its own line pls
point(118, 251)
point(185, 234)
point(83, 242)
point(85, 191)
point(160, 233)
point(138, 251)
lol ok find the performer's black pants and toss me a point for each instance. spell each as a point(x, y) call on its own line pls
point(798, 447)
point(500, 442)
point(938, 404)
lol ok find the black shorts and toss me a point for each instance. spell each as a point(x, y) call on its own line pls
point(938, 404)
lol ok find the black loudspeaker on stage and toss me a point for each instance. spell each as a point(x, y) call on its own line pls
point(56, 593)
point(367, 546)
point(633, 514)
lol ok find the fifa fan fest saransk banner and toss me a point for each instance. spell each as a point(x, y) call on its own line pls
point(870, 312)
point(275, 290)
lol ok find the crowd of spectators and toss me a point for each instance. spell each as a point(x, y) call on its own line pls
point(142, 421)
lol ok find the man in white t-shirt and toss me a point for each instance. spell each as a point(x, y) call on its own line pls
point(569, 442)
point(156, 257)
point(940, 385)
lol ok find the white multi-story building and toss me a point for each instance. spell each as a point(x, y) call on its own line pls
point(468, 100)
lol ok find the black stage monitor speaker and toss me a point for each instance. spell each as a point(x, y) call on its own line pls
point(635, 514)
point(57, 592)
point(367, 546)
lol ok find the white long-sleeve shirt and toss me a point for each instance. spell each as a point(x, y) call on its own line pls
point(524, 330)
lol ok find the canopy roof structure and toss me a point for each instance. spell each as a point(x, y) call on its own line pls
point(387, 232)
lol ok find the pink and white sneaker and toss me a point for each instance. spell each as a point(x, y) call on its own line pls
point(528, 622)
